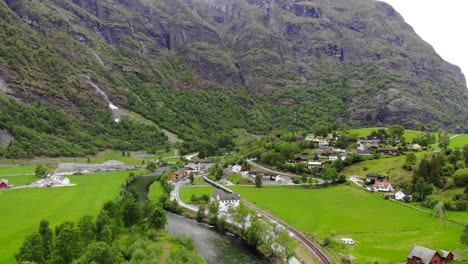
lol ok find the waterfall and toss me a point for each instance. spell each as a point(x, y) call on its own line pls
point(115, 110)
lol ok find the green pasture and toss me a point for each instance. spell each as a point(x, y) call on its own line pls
point(155, 191)
point(384, 231)
point(16, 170)
point(391, 166)
point(23, 209)
point(21, 180)
point(187, 192)
point(364, 132)
point(459, 141)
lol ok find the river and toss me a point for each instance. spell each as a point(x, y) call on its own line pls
point(214, 246)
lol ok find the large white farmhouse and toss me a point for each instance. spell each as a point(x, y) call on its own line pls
point(226, 200)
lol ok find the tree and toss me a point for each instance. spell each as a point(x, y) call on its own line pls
point(87, 230)
point(32, 250)
point(213, 209)
point(444, 141)
point(285, 243)
point(241, 213)
point(67, 244)
point(396, 131)
point(102, 220)
point(131, 213)
point(201, 212)
point(329, 174)
point(464, 236)
point(411, 158)
point(258, 181)
point(157, 219)
point(465, 153)
point(40, 171)
point(102, 253)
point(460, 177)
point(338, 165)
point(106, 235)
point(47, 238)
point(255, 233)
point(191, 177)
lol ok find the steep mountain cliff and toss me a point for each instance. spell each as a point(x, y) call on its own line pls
point(203, 67)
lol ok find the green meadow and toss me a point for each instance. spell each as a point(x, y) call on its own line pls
point(391, 166)
point(21, 180)
point(187, 192)
point(23, 209)
point(16, 170)
point(384, 231)
point(364, 132)
point(459, 141)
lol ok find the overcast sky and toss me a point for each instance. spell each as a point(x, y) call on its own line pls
point(441, 23)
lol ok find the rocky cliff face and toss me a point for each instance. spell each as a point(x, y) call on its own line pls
point(265, 47)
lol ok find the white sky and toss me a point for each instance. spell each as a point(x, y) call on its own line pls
point(443, 24)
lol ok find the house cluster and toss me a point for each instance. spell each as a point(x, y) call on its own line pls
point(226, 200)
point(422, 255)
point(371, 145)
point(196, 168)
point(3, 184)
point(375, 182)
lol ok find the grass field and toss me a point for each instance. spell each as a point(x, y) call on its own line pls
point(459, 141)
point(16, 170)
point(384, 231)
point(391, 166)
point(364, 132)
point(23, 209)
point(155, 191)
point(187, 192)
point(21, 180)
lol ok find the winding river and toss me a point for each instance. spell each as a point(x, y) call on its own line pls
point(214, 246)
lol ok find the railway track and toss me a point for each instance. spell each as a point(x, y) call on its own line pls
point(304, 240)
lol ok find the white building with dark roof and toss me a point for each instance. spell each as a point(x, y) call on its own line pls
point(226, 200)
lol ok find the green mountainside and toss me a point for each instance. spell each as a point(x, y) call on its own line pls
point(202, 68)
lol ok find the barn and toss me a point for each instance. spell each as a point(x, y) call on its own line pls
point(4, 184)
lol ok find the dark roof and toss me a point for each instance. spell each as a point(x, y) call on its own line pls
point(374, 138)
point(405, 192)
point(374, 175)
point(425, 254)
point(179, 171)
point(224, 196)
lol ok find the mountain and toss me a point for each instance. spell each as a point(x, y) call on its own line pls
point(202, 68)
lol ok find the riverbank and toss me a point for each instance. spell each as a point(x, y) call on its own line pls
point(213, 244)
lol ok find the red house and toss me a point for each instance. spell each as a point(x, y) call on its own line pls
point(3, 184)
point(422, 255)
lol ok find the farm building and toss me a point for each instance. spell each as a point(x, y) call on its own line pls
point(4, 184)
point(178, 174)
point(422, 255)
point(226, 200)
point(314, 164)
point(400, 195)
point(376, 176)
point(383, 187)
point(60, 180)
point(414, 147)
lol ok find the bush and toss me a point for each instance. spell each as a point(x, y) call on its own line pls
point(460, 177)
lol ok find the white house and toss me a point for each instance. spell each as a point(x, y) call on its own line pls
point(226, 200)
point(400, 195)
point(236, 168)
point(383, 187)
point(332, 157)
point(415, 147)
point(314, 164)
point(60, 179)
